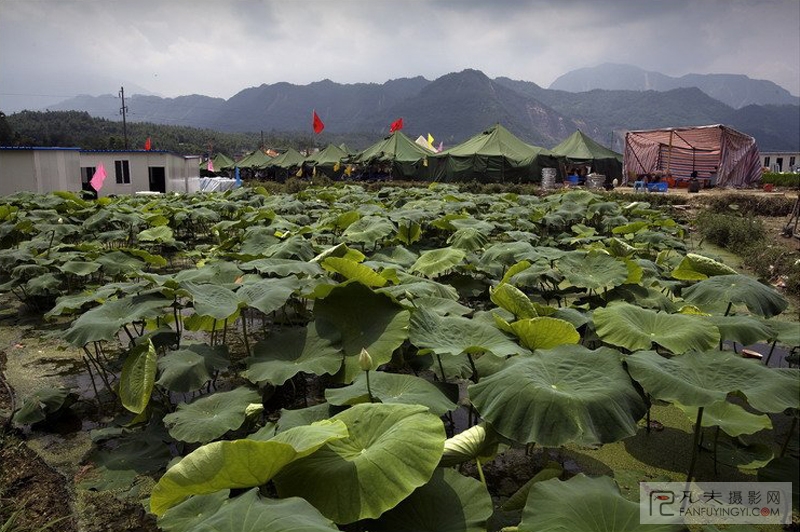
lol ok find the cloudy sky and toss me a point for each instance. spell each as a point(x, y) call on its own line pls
point(54, 49)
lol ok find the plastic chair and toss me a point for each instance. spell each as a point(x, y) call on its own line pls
point(639, 185)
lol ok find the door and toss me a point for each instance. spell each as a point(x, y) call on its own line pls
point(158, 179)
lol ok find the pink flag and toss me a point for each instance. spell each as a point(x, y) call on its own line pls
point(98, 177)
point(441, 145)
point(210, 166)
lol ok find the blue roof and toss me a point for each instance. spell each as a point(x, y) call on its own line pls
point(31, 148)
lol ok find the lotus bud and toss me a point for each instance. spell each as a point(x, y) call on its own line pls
point(364, 360)
point(61, 220)
point(253, 410)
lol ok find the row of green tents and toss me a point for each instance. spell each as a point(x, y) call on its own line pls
point(494, 155)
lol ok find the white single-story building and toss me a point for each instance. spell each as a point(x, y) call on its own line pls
point(781, 161)
point(127, 171)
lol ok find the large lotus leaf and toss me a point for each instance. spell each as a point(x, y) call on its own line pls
point(512, 299)
point(251, 513)
point(103, 322)
point(192, 512)
point(115, 469)
point(702, 379)
point(408, 232)
point(256, 239)
point(210, 417)
point(783, 332)
point(442, 306)
point(561, 395)
point(731, 418)
point(352, 270)
point(286, 353)
point(212, 300)
point(545, 332)
point(138, 377)
point(595, 270)
point(736, 289)
point(435, 261)
point(294, 247)
point(743, 329)
point(365, 320)
point(468, 239)
point(453, 335)
point(42, 402)
point(450, 502)
point(183, 371)
point(238, 463)
point(368, 230)
point(735, 452)
point(413, 287)
point(392, 388)
point(216, 357)
point(391, 450)
point(79, 267)
point(119, 263)
point(697, 267)
point(284, 267)
point(268, 295)
point(583, 504)
point(782, 469)
point(479, 442)
point(161, 234)
point(43, 285)
point(633, 328)
point(217, 273)
point(304, 416)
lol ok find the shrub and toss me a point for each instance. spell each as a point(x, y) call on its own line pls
point(730, 231)
point(750, 204)
point(781, 180)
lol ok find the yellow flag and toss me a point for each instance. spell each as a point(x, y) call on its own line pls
point(336, 167)
point(299, 172)
point(425, 161)
point(430, 140)
point(348, 170)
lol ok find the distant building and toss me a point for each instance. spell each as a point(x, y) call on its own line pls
point(781, 161)
point(128, 171)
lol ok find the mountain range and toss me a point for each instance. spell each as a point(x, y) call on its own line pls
point(457, 106)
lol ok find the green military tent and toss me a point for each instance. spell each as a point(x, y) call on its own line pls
point(219, 163)
point(284, 164)
point(256, 160)
point(494, 155)
point(328, 161)
point(401, 157)
point(580, 149)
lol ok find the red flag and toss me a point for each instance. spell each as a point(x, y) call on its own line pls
point(147, 144)
point(397, 125)
point(98, 177)
point(317, 123)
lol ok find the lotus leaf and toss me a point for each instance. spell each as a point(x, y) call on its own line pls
point(304, 416)
point(284, 267)
point(583, 504)
point(436, 261)
point(736, 452)
point(79, 268)
point(368, 230)
point(392, 388)
point(268, 295)
point(238, 463)
point(743, 329)
point(366, 320)
point(286, 353)
point(702, 379)
point(736, 289)
point(183, 371)
point(352, 270)
point(37, 406)
point(545, 332)
point(138, 377)
point(697, 267)
point(210, 417)
point(408, 232)
point(477, 442)
point(450, 502)
point(561, 395)
point(731, 418)
point(512, 299)
point(161, 234)
point(212, 300)
point(452, 335)
point(390, 451)
point(105, 321)
point(215, 273)
point(595, 270)
point(442, 306)
point(633, 328)
point(468, 239)
point(192, 512)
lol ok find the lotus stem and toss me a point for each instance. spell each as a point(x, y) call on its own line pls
point(480, 471)
point(474, 369)
point(244, 333)
point(727, 310)
point(369, 389)
point(697, 431)
point(771, 349)
point(441, 368)
point(789, 435)
point(716, 438)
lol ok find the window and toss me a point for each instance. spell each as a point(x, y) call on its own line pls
point(766, 162)
point(791, 162)
point(122, 171)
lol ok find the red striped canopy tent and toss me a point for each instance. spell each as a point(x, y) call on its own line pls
point(680, 151)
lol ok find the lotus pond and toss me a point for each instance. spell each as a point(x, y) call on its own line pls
point(397, 360)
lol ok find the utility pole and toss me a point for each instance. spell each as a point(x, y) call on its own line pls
point(122, 111)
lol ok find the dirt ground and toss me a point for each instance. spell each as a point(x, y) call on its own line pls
point(35, 495)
